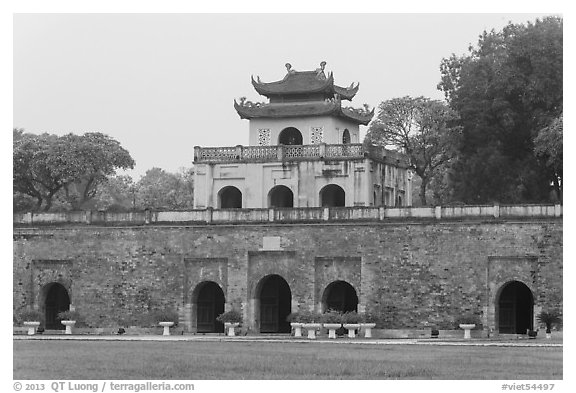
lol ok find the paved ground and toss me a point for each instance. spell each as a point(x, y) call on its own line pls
point(285, 339)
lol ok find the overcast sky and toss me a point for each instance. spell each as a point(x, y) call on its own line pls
point(162, 83)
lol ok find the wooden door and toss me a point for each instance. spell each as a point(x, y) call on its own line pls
point(269, 315)
point(209, 305)
point(57, 300)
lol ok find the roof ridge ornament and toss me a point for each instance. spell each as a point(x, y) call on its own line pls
point(320, 71)
point(289, 69)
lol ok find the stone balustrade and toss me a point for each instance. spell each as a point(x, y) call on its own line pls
point(294, 215)
point(293, 153)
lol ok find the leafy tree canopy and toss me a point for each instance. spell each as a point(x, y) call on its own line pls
point(46, 164)
point(422, 128)
point(507, 89)
point(548, 148)
point(160, 189)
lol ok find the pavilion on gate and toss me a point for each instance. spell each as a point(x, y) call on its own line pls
point(304, 151)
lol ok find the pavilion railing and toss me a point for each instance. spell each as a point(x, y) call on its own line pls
point(294, 153)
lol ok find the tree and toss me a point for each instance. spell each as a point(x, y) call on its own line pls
point(505, 90)
point(45, 164)
point(96, 157)
point(37, 170)
point(117, 193)
point(422, 128)
point(548, 147)
point(165, 190)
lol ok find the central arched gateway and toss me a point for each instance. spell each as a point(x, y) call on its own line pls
point(56, 300)
point(281, 196)
point(332, 195)
point(209, 304)
point(515, 308)
point(275, 298)
point(340, 296)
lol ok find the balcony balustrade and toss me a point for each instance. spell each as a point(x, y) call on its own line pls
point(354, 151)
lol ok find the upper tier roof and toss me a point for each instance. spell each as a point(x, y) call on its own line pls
point(305, 82)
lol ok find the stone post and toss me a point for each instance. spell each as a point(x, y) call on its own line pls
point(326, 213)
point(28, 218)
point(438, 212)
point(271, 215)
point(196, 153)
point(239, 152)
point(496, 211)
point(557, 210)
point(208, 213)
point(147, 215)
point(322, 150)
point(101, 216)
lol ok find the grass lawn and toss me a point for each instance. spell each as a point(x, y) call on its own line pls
point(194, 360)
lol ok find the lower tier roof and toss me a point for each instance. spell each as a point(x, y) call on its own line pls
point(249, 110)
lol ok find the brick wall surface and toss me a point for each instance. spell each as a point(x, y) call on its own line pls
point(409, 274)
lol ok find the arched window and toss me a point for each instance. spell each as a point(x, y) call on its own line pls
point(229, 198)
point(290, 136)
point(332, 196)
point(515, 308)
point(280, 196)
point(346, 137)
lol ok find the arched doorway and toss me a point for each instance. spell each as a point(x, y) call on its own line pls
point(275, 304)
point(230, 198)
point(56, 300)
point(332, 196)
point(515, 308)
point(281, 196)
point(346, 137)
point(209, 304)
point(340, 296)
point(290, 136)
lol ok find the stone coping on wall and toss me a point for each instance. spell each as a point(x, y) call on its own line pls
point(211, 216)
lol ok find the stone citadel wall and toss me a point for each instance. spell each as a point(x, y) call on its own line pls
point(411, 272)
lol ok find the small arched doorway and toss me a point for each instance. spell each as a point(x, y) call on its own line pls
point(339, 296)
point(56, 300)
point(346, 137)
point(515, 308)
point(275, 300)
point(209, 304)
point(332, 196)
point(230, 198)
point(290, 136)
point(281, 196)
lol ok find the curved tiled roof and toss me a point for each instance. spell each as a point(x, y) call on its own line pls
point(302, 109)
point(304, 82)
